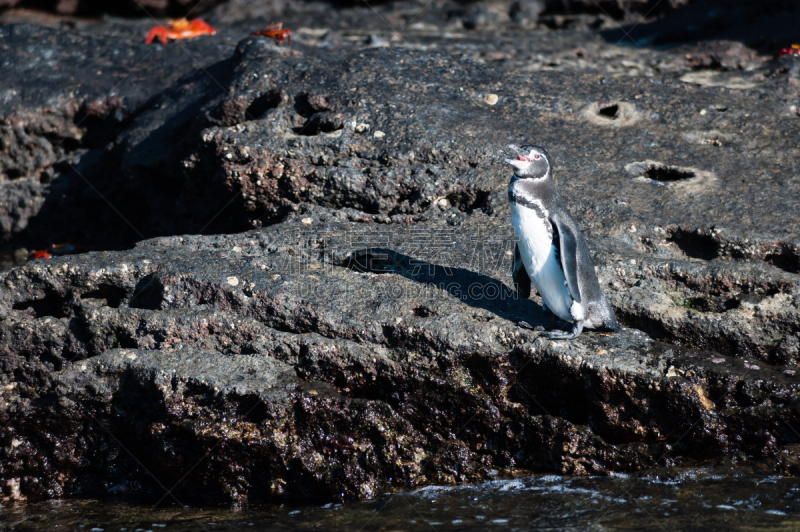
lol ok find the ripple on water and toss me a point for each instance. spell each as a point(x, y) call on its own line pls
point(685, 500)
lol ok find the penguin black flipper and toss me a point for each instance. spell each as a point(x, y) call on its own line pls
point(567, 239)
point(574, 256)
point(520, 275)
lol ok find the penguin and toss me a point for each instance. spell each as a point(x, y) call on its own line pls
point(551, 252)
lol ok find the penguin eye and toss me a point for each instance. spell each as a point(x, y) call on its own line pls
point(537, 156)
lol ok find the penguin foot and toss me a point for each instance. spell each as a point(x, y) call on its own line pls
point(576, 331)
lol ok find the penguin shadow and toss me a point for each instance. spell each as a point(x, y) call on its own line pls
point(472, 288)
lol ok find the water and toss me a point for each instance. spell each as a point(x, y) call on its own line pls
point(691, 500)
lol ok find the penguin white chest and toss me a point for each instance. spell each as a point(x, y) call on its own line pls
point(534, 234)
point(535, 240)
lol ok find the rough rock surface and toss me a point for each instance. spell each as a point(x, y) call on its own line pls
point(64, 97)
point(361, 335)
point(65, 104)
point(286, 365)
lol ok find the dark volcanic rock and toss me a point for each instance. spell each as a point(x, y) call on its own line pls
point(363, 336)
point(396, 133)
point(64, 98)
point(289, 362)
point(150, 8)
point(96, 136)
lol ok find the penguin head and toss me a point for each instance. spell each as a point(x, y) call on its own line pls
point(532, 162)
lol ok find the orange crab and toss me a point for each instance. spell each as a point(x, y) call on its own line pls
point(275, 31)
point(180, 29)
point(57, 250)
point(40, 254)
point(792, 50)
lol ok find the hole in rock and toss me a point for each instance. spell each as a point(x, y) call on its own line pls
point(469, 199)
point(668, 173)
point(252, 408)
point(732, 303)
point(389, 333)
point(51, 304)
point(609, 110)
point(784, 259)
point(706, 304)
point(126, 340)
point(14, 173)
point(148, 294)
point(267, 101)
point(423, 312)
point(695, 244)
point(106, 295)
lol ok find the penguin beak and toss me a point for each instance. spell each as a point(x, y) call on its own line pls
point(521, 161)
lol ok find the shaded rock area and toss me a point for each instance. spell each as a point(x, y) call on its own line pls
point(475, 12)
point(66, 97)
point(351, 327)
point(125, 8)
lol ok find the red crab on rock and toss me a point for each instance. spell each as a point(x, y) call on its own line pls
point(180, 29)
point(792, 50)
point(276, 32)
point(40, 254)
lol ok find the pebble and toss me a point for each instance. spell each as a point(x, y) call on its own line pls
point(491, 99)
